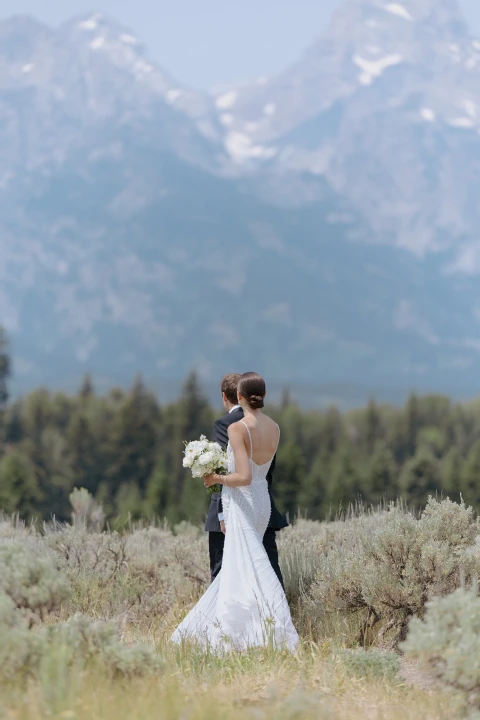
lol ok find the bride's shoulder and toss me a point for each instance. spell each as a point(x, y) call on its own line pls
point(236, 427)
point(270, 421)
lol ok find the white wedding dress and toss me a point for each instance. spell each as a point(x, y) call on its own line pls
point(245, 606)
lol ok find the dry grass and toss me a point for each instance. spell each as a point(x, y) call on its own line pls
point(151, 582)
point(313, 684)
point(261, 685)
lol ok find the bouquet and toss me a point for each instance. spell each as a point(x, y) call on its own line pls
point(203, 457)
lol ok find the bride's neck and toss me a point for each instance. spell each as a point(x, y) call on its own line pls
point(249, 411)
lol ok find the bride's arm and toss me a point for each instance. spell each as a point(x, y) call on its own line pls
point(243, 470)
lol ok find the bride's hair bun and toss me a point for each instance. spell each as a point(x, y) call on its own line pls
point(256, 402)
point(251, 386)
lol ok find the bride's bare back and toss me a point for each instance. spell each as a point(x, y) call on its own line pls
point(256, 436)
point(264, 434)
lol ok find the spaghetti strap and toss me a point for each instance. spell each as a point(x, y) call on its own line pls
point(250, 438)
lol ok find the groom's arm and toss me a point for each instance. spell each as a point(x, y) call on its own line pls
point(220, 436)
point(270, 472)
point(220, 433)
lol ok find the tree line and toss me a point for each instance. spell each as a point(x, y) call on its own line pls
point(125, 448)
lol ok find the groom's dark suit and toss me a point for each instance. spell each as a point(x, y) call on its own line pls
point(216, 538)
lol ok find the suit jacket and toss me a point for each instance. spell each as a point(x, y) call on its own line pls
point(220, 435)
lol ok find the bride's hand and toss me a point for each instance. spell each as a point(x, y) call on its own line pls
point(210, 480)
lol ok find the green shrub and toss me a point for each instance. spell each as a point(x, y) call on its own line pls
point(300, 551)
point(86, 641)
point(447, 642)
point(50, 650)
point(384, 569)
point(20, 647)
point(31, 579)
point(139, 576)
point(32, 586)
point(87, 513)
point(370, 664)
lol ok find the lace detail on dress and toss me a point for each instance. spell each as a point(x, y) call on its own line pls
point(254, 500)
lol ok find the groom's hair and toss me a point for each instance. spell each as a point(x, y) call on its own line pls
point(229, 387)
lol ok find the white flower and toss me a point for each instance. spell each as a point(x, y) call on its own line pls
point(206, 458)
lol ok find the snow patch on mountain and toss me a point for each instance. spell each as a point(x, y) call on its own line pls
point(98, 43)
point(399, 10)
point(461, 122)
point(172, 95)
point(142, 68)
point(428, 114)
point(375, 68)
point(227, 100)
point(90, 23)
point(241, 148)
point(128, 39)
point(471, 108)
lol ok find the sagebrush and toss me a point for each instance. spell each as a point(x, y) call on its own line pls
point(74, 597)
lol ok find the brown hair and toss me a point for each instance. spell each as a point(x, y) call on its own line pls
point(251, 386)
point(229, 387)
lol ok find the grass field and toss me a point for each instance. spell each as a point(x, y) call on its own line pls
point(63, 586)
point(316, 683)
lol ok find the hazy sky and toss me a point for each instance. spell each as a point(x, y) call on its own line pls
point(210, 42)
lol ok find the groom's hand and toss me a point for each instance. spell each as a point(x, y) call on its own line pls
point(222, 526)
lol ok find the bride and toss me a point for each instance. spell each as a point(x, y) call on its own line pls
point(245, 606)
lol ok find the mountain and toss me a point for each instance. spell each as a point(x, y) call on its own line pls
point(319, 226)
point(61, 89)
point(386, 107)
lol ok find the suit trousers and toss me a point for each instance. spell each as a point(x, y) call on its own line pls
point(216, 541)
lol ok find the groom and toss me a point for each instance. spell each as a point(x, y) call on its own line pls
point(215, 525)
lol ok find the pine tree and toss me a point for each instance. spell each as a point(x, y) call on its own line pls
point(5, 368)
point(432, 439)
point(451, 471)
point(18, 486)
point(332, 432)
point(470, 477)
point(420, 478)
point(87, 390)
point(190, 417)
point(286, 399)
point(412, 424)
point(14, 427)
point(313, 486)
point(381, 476)
point(82, 453)
point(373, 426)
point(289, 475)
point(37, 420)
point(344, 487)
point(133, 439)
point(128, 503)
point(159, 497)
point(195, 409)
